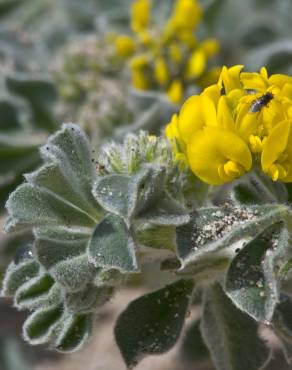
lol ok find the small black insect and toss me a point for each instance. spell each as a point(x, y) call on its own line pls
point(262, 101)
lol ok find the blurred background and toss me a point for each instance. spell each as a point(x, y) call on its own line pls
point(57, 64)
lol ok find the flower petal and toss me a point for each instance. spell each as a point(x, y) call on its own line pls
point(213, 147)
point(230, 78)
point(275, 144)
point(191, 117)
point(254, 81)
point(224, 115)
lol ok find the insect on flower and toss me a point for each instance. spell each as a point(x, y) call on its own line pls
point(262, 101)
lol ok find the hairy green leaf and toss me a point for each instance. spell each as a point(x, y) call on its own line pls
point(76, 331)
point(214, 232)
point(84, 301)
point(39, 326)
point(18, 274)
point(75, 273)
point(230, 334)
point(165, 212)
point(282, 324)
point(112, 246)
point(152, 323)
point(38, 292)
point(117, 194)
point(251, 280)
point(193, 348)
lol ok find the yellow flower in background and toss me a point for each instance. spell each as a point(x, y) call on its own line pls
point(141, 15)
point(185, 16)
point(244, 119)
point(176, 59)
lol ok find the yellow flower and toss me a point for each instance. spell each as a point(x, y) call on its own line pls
point(141, 14)
point(175, 92)
point(125, 46)
point(167, 57)
point(244, 118)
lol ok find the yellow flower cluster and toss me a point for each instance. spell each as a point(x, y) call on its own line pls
point(167, 58)
point(243, 120)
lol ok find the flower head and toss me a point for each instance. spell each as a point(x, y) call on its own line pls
point(242, 120)
point(175, 58)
